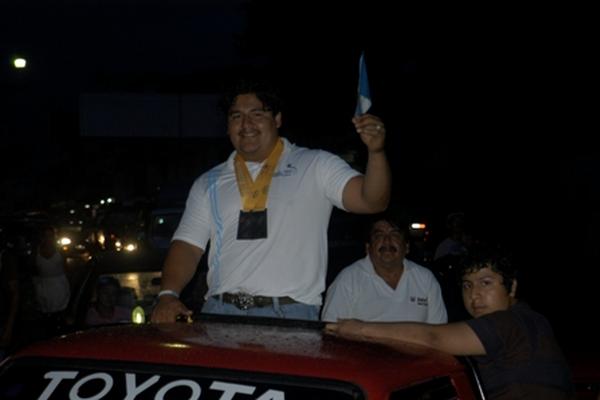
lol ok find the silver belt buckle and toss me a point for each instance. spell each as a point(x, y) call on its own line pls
point(244, 301)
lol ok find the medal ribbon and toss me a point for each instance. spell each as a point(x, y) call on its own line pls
point(254, 193)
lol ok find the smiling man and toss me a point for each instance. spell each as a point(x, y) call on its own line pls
point(265, 211)
point(514, 346)
point(385, 286)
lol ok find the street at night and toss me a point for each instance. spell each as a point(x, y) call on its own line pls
point(485, 113)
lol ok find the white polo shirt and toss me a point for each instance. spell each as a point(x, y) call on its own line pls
point(292, 260)
point(358, 292)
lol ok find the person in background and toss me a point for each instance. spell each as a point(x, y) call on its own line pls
point(446, 261)
point(385, 285)
point(52, 287)
point(266, 211)
point(455, 243)
point(9, 294)
point(514, 347)
point(106, 310)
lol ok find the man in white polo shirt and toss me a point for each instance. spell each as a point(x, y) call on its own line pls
point(265, 212)
point(385, 286)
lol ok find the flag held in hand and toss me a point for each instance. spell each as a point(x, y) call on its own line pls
point(363, 102)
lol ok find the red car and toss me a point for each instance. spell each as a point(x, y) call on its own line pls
point(228, 358)
point(586, 373)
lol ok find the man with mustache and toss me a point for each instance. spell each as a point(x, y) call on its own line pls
point(385, 286)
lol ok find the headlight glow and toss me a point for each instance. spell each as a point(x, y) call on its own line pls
point(64, 241)
point(130, 247)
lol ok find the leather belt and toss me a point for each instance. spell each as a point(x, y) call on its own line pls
point(244, 301)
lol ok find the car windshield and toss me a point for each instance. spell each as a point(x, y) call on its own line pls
point(116, 295)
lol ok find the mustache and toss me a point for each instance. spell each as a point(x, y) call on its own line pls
point(387, 248)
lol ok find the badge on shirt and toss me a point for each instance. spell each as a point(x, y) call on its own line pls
point(252, 225)
point(253, 193)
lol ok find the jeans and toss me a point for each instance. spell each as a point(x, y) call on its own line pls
point(288, 311)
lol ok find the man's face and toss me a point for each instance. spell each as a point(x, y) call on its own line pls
point(252, 129)
point(484, 292)
point(387, 246)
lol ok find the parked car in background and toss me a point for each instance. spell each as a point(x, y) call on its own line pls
point(121, 227)
point(223, 357)
point(22, 231)
point(162, 223)
point(139, 275)
point(74, 240)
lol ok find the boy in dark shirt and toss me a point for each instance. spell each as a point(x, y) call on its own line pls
point(514, 347)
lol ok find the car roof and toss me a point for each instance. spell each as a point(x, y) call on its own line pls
point(264, 345)
point(143, 259)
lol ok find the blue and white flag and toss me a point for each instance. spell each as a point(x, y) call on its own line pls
point(363, 102)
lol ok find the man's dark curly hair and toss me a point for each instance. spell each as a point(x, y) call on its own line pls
point(398, 223)
point(485, 255)
point(264, 90)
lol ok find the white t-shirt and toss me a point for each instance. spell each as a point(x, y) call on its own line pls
point(292, 260)
point(51, 284)
point(358, 292)
point(451, 247)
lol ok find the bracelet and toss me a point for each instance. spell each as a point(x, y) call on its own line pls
point(168, 293)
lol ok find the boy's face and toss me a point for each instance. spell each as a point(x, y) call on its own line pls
point(484, 292)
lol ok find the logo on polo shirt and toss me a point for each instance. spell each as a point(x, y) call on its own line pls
point(288, 170)
point(421, 301)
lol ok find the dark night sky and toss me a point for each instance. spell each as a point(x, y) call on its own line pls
point(470, 96)
point(486, 106)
